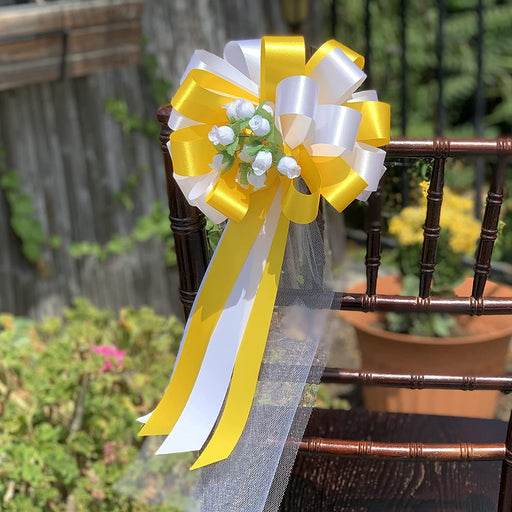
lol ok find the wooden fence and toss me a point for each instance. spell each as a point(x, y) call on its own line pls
point(73, 158)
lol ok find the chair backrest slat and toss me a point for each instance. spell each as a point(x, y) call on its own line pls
point(416, 381)
point(373, 248)
point(489, 231)
point(431, 228)
point(187, 223)
point(417, 451)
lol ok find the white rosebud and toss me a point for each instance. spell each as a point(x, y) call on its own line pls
point(259, 125)
point(244, 110)
point(239, 109)
point(268, 109)
point(256, 181)
point(289, 166)
point(262, 162)
point(245, 157)
point(221, 135)
point(217, 164)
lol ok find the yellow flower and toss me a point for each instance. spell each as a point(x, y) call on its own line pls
point(456, 218)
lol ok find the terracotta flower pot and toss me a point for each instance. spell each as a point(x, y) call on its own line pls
point(482, 351)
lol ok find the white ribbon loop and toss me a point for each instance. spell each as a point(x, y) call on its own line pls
point(338, 77)
point(336, 130)
point(368, 95)
point(245, 56)
point(201, 59)
point(368, 162)
point(296, 104)
point(196, 188)
point(178, 121)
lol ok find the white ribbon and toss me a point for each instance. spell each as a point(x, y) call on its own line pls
point(205, 402)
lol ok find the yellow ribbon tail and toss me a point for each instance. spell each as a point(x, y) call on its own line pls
point(217, 285)
point(247, 365)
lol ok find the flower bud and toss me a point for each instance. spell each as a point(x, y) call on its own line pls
point(262, 162)
point(217, 164)
point(259, 125)
point(268, 109)
point(289, 166)
point(221, 135)
point(245, 157)
point(239, 109)
point(256, 181)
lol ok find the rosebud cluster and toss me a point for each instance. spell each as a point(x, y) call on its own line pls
point(251, 140)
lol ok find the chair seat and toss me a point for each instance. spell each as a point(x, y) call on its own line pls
point(329, 483)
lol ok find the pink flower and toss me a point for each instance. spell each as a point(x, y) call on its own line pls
point(110, 352)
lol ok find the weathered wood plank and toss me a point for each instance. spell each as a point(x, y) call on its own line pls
point(72, 156)
point(78, 41)
point(37, 19)
point(49, 69)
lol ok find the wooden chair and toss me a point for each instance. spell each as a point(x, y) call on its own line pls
point(374, 461)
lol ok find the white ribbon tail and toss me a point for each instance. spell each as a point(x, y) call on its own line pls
point(205, 402)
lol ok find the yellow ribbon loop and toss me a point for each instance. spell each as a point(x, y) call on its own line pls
point(281, 57)
point(327, 47)
point(228, 197)
point(340, 183)
point(192, 152)
point(299, 207)
point(202, 95)
point(374, 127)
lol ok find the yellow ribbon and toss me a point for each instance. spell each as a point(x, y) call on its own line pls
point(201, 98)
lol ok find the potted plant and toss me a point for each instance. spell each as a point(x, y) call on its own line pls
point(434, 343)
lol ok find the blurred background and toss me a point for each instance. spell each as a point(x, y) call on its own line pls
point(89, 303)
point(82, 189)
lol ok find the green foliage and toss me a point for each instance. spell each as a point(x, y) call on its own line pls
point(213, 234)
point(460, 61)
point(159, 85)
point(119, 110)
point(23, 218)
point(154, 225)
point(128, 188)
point(68, 429)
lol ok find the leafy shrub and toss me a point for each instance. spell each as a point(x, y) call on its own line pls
point(70, 390)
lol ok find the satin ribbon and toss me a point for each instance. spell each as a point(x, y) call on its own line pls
point(333, 133)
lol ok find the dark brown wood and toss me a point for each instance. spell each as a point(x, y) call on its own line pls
point(418, 451)
point(400, 303)
point(439, 147)
point(431, 228)
point(414, 381)
point(505, 498)
point(489, 231)
point(338, 484)
point(187, 224)
point(364, 444)
point(373, 249)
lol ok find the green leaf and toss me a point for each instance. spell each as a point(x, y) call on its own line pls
point(253, 150)
point(244, 169)
point(229, 161)
point(9, 181)
point(277, 137)
point(231, 148)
